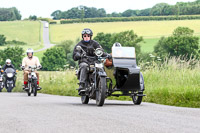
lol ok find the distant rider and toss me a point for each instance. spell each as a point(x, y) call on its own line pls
point(9, 65)
point(30, 60)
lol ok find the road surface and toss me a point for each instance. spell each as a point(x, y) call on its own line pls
point(46, 40)
point(61, 114)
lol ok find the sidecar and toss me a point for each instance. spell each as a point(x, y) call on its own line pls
point(124, 76)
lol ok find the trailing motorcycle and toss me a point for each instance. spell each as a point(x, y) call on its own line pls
point(10, 74)
point(1, 79)
point(32, 81)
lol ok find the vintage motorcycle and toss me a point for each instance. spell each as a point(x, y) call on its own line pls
point(96, 85)
point(32, 81)
point(123, 78)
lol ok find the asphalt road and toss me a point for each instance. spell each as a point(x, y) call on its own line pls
point(61, 114)
point(46, 40)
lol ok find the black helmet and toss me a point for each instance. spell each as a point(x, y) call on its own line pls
point(87, 31)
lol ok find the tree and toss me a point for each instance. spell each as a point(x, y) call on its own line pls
point(54, 59)
point(56, 14)
point(9, 14)
point(105, 41)
point(68, 47)
point(181, 43)
point(126, 38)
point(13, 53)
point(2, 40)
point(34, 17)
point(129, 13)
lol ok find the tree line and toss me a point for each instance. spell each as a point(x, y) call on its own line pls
point(161, 9)
point(10, 14)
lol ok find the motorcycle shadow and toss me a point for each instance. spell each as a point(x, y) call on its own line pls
point(106, 104)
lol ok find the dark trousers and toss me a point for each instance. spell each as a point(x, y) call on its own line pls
point(83, 72)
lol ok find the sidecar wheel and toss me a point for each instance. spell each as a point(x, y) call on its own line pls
point(84, 99)
point(101, 93)
point(137, 99)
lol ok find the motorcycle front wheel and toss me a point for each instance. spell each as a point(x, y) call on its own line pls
point(101, 91)
point(35, 88)
point(9, 88)
point(84, 99)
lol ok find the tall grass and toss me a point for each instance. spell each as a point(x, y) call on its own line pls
point(175, 82)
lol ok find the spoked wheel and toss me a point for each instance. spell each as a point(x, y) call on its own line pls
point(137, 98)
point(29, 90)
point(84, 99)
point(101, 92)
point(35, 88)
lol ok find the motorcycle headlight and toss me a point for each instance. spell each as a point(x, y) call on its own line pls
point(99, 52)
point(9, 75)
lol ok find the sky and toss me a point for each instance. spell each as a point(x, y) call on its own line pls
point(44, 8)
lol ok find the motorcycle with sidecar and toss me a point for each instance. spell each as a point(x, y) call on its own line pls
point(122, 78)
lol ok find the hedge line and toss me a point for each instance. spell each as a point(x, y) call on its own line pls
point(123, 19)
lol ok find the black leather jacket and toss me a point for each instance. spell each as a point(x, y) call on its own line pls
point(6, 66)
point(89, 48)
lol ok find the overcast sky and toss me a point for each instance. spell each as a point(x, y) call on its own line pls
point(44, 8)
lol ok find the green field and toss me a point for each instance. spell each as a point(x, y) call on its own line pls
point(150, 30)
point(25, 31)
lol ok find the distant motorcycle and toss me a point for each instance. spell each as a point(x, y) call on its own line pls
point(32, 81)
point(10, 74)
point(1, 80)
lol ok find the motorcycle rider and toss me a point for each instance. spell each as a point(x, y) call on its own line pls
point(30, 60)
point(88, 45)
point(9, 65)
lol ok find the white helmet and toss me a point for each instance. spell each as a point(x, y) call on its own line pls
point(29, 50)
point(8, 62)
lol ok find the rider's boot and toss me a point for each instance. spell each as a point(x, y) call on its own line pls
point(25, 87)
point(81, 89)
point(38, 87)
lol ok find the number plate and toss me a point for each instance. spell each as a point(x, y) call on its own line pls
point(99, 65)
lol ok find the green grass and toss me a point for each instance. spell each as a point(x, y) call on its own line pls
point(39, 54)
point(25, 31)
point(148, 44)
point(150, 30)
point(173, 83)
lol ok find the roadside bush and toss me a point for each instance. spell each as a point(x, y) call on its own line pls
point(54, 59)
point(16, 42)
point(181, 43)
point(13, 53)
point(52, 22)
point(68, 47)
point(2, 40)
